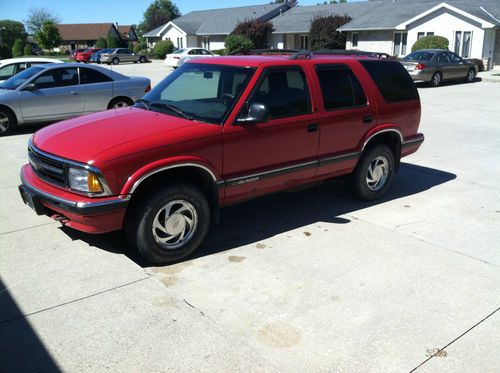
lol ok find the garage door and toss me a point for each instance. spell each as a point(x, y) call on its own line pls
point(496, 56)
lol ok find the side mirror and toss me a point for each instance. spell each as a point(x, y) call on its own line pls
point(30, 87)
point(257, 113)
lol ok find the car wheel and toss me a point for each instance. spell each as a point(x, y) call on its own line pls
point(436, 79)
point(471, 74)
point(116, 61)
point(142, 59)
point(120, 102)
point(169, 224)
point(7, 122)
point(373, 175)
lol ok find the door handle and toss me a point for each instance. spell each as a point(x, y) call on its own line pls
point(74, 92)
point(313, 127)
point(367, 119)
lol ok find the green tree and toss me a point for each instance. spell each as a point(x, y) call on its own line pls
point(28, 51)
point(235, 43)
point(162, 48)
point(5, 51)
point(37, 17)
point(255, 30)
point(112, 42)
point(157, 14)
point(323, 33)
point(18, 48)
point(48, 37)
point(430, 42)
point(101, 43)
point(141, 45)
point(10, 31)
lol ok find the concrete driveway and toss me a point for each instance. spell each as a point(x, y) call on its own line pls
point(294, 282)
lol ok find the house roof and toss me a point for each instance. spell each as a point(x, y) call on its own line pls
point(84, 31)
point(220, 21)
point(125, 30)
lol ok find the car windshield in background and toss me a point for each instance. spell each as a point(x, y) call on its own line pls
point(419, 56)
point(20, 78)
point(202, 92)
point(179, 51)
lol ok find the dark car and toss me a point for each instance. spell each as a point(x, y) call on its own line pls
point(435, 65)
point(96, 56)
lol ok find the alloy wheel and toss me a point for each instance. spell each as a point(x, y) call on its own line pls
point(174, 224)
point(4, 123)
point(377, 172)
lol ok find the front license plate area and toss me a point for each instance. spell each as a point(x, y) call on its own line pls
point(32, 201)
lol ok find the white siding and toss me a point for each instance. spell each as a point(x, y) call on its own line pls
point(175, 36)
point(192, 41)
point(373, 41)
point(443, 22)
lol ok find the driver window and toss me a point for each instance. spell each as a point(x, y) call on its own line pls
point(284, 92)
point(443, 57)
point(57, 78)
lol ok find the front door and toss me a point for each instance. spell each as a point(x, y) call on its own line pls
point(56, 95)
point(278, 153)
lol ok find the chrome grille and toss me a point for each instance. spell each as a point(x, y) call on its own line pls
point(46, 168)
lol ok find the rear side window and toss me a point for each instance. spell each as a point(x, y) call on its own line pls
point(340, 87)
point(90, 76)
point(392, 79)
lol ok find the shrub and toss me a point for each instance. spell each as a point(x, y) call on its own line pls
point(140, 46)
point(219, 52)
point(18, 48)
point(101, 43)
point(235, 43)
point(255, 30)
point(323, 33)
point(5, 51)
point(478, 62)
point(28, 51)
point(112, 42)
point(162, 48)
point(430, 42)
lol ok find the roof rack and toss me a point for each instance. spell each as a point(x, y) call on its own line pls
point(337, 52)
point(246, 52)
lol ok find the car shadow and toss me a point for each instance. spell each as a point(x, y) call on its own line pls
point(265, 217)
point(447, 83)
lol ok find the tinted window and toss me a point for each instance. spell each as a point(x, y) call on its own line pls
point(392, 79)
point(443, 58)
point(90, 76)
point(419, 56)
point(454, 58)
point(57, 78)
point(340, 87)
point(284, 92)
point(123, 51)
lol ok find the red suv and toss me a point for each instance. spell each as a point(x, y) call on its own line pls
point(84, 56)
point(220, 131)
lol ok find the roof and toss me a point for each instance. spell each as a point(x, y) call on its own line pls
point(220, 21)
point(84, 31)
point(28, 59)
point(125, 30)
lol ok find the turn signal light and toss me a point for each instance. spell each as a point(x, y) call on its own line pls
point(420, 66)
point(93, 183)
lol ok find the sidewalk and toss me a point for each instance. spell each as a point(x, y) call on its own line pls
point(491, 76)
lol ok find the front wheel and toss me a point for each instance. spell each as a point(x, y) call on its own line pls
point(374, 173)
point(116, 61)
point(168, 224)
point(142, 59)
point(7, 122)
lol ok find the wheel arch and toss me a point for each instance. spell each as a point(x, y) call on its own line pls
point(391, 137)
point(129, 99)
point(11, 111)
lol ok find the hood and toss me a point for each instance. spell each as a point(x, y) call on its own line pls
point(82, 139)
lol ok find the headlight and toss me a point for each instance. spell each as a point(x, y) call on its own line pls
point(84, 180)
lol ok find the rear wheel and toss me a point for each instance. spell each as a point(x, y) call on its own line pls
point(373, 175)
point(116, 61)
point(169, 223)
point(471, 74)
point(7, 122)
point(436, 79)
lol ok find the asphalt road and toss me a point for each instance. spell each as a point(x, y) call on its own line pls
point(306, 281)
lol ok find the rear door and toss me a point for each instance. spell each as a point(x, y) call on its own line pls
point(263, 157)
point(445, 66)
point(96, 88)
point(460, 69)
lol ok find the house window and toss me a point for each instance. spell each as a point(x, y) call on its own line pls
point(180, 43)
point(420, 35)
point(354, 40)
point(206, 42)
point(304, 42)
point(400, 43)
point(463, 40)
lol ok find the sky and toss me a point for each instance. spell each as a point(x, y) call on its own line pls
point(120, 11)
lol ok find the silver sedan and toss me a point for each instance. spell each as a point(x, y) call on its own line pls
point(59, 91)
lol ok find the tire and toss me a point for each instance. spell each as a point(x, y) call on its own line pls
point(157, 234)
point(119, 102)
point(142, 59)
point(115, 61)
point(7, 122)
point(436, 79)
point(471, 75)
point(373, 175)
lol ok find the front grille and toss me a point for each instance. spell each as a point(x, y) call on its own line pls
point(48, 169)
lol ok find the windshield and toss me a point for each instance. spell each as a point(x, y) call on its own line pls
point(179, 51)
point(20, 78)
point(199, 91)
point(419, 56)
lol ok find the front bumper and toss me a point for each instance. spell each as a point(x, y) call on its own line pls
point(91, 215)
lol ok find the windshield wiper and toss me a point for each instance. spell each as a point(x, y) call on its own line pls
point(144, 102)
point(173, 108)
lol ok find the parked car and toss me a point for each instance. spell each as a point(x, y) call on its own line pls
point(96, 56)
point(12, 66)
point(180, 56)
point(218, 131)
point(85, 55)
point(73, 53)
point(118, 55)
point(436, 65)
point(57, 91)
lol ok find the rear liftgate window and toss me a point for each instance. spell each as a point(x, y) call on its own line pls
point(392, 79)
